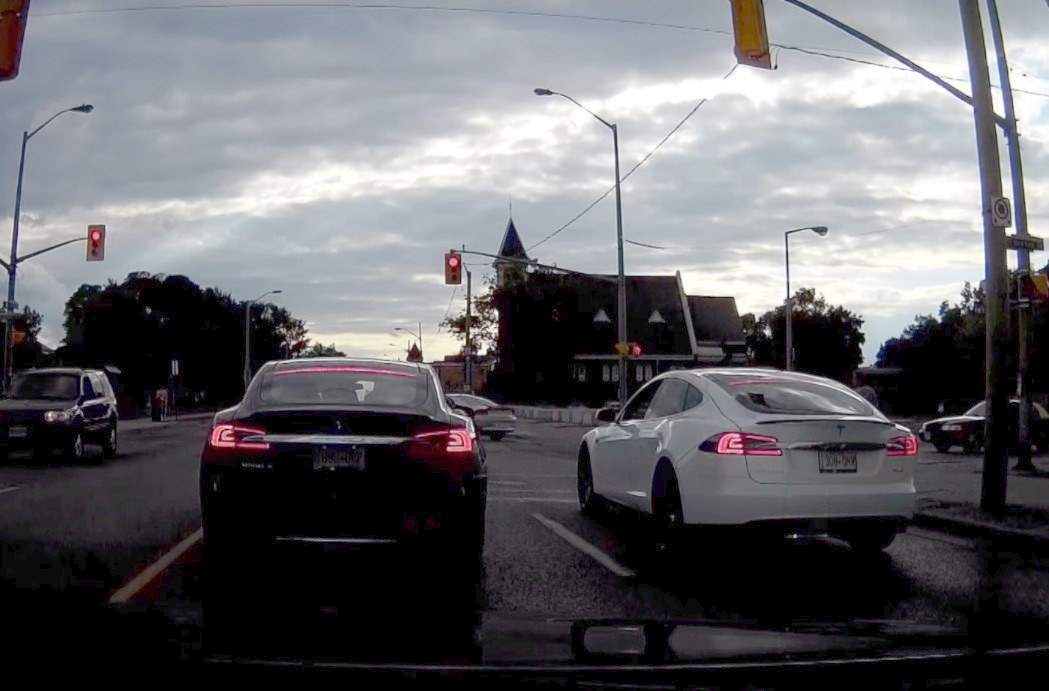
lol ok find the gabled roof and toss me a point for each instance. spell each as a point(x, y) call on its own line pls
point(645, 295)
point(511, 246)
point(715, 318)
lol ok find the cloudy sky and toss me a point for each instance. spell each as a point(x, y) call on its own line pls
point(336, 153)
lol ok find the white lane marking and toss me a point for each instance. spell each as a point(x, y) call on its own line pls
point(5, 490)
point(541, 500)
point(140, 581)
point(506, 482)
point(585, 547)
point(524, 475)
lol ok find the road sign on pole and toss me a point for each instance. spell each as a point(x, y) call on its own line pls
point(1025, 242)
point(1001, 212)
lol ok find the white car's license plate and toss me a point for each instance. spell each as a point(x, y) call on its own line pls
point(332, 457)
point(837, 461)
point(17, 432)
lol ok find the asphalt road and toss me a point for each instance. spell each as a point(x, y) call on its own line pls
point(73, 537)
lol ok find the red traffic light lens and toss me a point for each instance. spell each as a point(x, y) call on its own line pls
point(453, 262)
point(96, 235)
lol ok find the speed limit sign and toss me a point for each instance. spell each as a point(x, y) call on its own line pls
point(1001, 212)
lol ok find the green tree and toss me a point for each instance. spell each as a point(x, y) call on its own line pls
point(942, 357)
point(319, 350)
point(828, 339)
point(484, 321)
point(143, 323)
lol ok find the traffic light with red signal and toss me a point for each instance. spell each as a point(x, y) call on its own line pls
point(453, 268)
point(96, 243)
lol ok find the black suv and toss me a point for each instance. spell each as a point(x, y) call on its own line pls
point(59, 408)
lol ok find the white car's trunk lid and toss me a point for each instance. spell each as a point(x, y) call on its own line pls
point(823, 450)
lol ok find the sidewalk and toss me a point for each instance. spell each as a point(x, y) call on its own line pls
point(949, 499)
point(145, 422)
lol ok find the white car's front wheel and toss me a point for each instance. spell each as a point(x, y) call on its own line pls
point(666, 508)
point(589, 502)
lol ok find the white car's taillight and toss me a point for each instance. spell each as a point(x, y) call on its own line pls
point(740, 444)
point(902, 446)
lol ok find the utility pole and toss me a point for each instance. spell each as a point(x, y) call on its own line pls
point(468, 375)
point(1023, 256)
point(992, 496)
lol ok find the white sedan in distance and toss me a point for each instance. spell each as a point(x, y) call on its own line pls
point(797, 454)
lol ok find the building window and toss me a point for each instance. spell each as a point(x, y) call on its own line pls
point(649, 371)
point(610, 372)
point(643, 371)
point(579, 373)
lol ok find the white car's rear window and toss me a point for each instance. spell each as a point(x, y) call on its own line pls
point(785, 395)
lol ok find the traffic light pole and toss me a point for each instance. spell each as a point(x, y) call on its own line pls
point(1023, 256)
point(468, 375)
point(992, 496)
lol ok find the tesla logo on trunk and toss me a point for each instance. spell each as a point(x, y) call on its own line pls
point(841, 429)
point(338, 425)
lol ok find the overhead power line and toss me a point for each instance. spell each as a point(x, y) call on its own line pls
point(636, 165)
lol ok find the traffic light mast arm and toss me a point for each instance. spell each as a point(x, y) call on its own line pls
point(526, 262)
point(47, 249)
point(877, 45)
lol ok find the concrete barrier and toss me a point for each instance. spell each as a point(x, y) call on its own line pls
point(575, 416)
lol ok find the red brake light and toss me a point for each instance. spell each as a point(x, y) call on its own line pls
point(902, 446)
point(229, 436)
point(458, 439)
point(741, 443)
point(350, 369)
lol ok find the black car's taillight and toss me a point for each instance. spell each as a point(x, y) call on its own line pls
point(228, 436)
point(446, 449)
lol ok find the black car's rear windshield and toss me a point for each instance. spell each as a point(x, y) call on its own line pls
point(51, 385)
point(785, 395)
point(345, 384)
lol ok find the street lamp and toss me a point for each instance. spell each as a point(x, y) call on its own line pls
point(821, 231)
point(247, 336)
point(622, 317)
point(12, 268)
point(418, 336)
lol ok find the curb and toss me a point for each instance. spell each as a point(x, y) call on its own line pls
point(1001, 535)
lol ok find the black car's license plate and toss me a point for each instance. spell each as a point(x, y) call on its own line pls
point(837, 461)
point(17, 432)
point(333, 457)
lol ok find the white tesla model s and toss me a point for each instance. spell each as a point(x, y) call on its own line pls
point(786, 451)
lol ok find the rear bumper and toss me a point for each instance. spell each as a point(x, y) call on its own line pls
point(941, 438)
point(739, 501)
point(239, 506)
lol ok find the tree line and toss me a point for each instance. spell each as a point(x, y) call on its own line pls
point(145, 322)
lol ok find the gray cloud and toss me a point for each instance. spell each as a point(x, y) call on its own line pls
point(338, 153)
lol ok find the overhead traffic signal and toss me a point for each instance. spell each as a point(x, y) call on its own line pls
point(13, 16)
point(96, 243)
point(453, 268)
point(629, 349)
